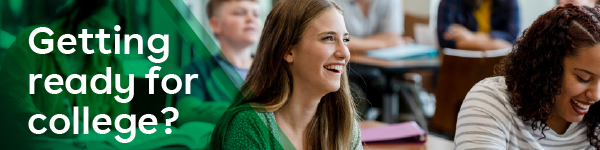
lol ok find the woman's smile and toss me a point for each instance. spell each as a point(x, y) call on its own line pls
point(335, 68)
point(581, 107)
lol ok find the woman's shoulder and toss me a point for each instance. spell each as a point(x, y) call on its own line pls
point(492, 90)
point(495, 87)
point(490, 95)
point(499, 81)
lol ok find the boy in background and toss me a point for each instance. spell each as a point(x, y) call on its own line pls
point(236, 24)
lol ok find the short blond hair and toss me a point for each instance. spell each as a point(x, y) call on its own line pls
point(215, 5)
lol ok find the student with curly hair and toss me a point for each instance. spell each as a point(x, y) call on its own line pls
point(545, 98)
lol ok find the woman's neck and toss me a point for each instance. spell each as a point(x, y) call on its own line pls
point(558, 124)
point(299, 111)
point(238, 56)
point(293, 118)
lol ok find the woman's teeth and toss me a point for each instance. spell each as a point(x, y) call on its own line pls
point(335, 67)
point(583, 106)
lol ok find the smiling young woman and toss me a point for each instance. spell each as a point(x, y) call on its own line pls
point(545, 98)
point(296, 93)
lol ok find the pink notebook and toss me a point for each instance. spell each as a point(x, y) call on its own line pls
point(406, 132)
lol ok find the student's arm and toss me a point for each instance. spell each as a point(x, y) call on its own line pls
point(481, 41)
point(500, 37)
point(17, 105)
point(452, 35)
point(479, 125)
point(468, 40)
point(378, 41)
point(357, 44)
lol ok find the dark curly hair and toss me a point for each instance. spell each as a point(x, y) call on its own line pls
point(534, 68)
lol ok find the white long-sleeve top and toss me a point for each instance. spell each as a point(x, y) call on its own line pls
point(487, 120)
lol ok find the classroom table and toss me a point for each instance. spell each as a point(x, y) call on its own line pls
point(433, 62)
point(392, 68)
point(433, 142)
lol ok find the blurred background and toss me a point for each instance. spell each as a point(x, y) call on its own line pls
point(426, 89)
point(18, 14)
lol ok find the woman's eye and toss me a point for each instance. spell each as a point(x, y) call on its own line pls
point(328, 38)
point(582, 80)
point(346, 39)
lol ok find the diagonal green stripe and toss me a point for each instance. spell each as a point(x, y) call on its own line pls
point(201, 47)
point(205, 46)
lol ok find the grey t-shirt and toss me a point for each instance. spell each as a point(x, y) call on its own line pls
point(382, 16)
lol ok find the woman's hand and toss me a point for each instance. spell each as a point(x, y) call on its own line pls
point(458, 32)
point(468, 40)
point(391, 40)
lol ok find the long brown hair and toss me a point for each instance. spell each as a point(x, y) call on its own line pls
point(269, 81)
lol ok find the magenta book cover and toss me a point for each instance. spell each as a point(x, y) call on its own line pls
point(406, 132)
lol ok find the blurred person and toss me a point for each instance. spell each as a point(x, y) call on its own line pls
point(15, 15)
point(296, 94)
point(478, 24)
point(236, 24)
point(18, 105)
point(546, 94)
point(373, 24)
point(590, 3)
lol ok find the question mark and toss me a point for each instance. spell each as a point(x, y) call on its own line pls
point(168, 121)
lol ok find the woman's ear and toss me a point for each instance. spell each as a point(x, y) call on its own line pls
point(289, 56)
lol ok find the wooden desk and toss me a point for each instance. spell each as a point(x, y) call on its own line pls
point(433, 142)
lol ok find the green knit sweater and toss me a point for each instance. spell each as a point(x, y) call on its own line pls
point(251, 130)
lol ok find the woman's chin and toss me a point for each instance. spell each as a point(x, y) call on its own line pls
point(575, 118)
point(333, 88)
